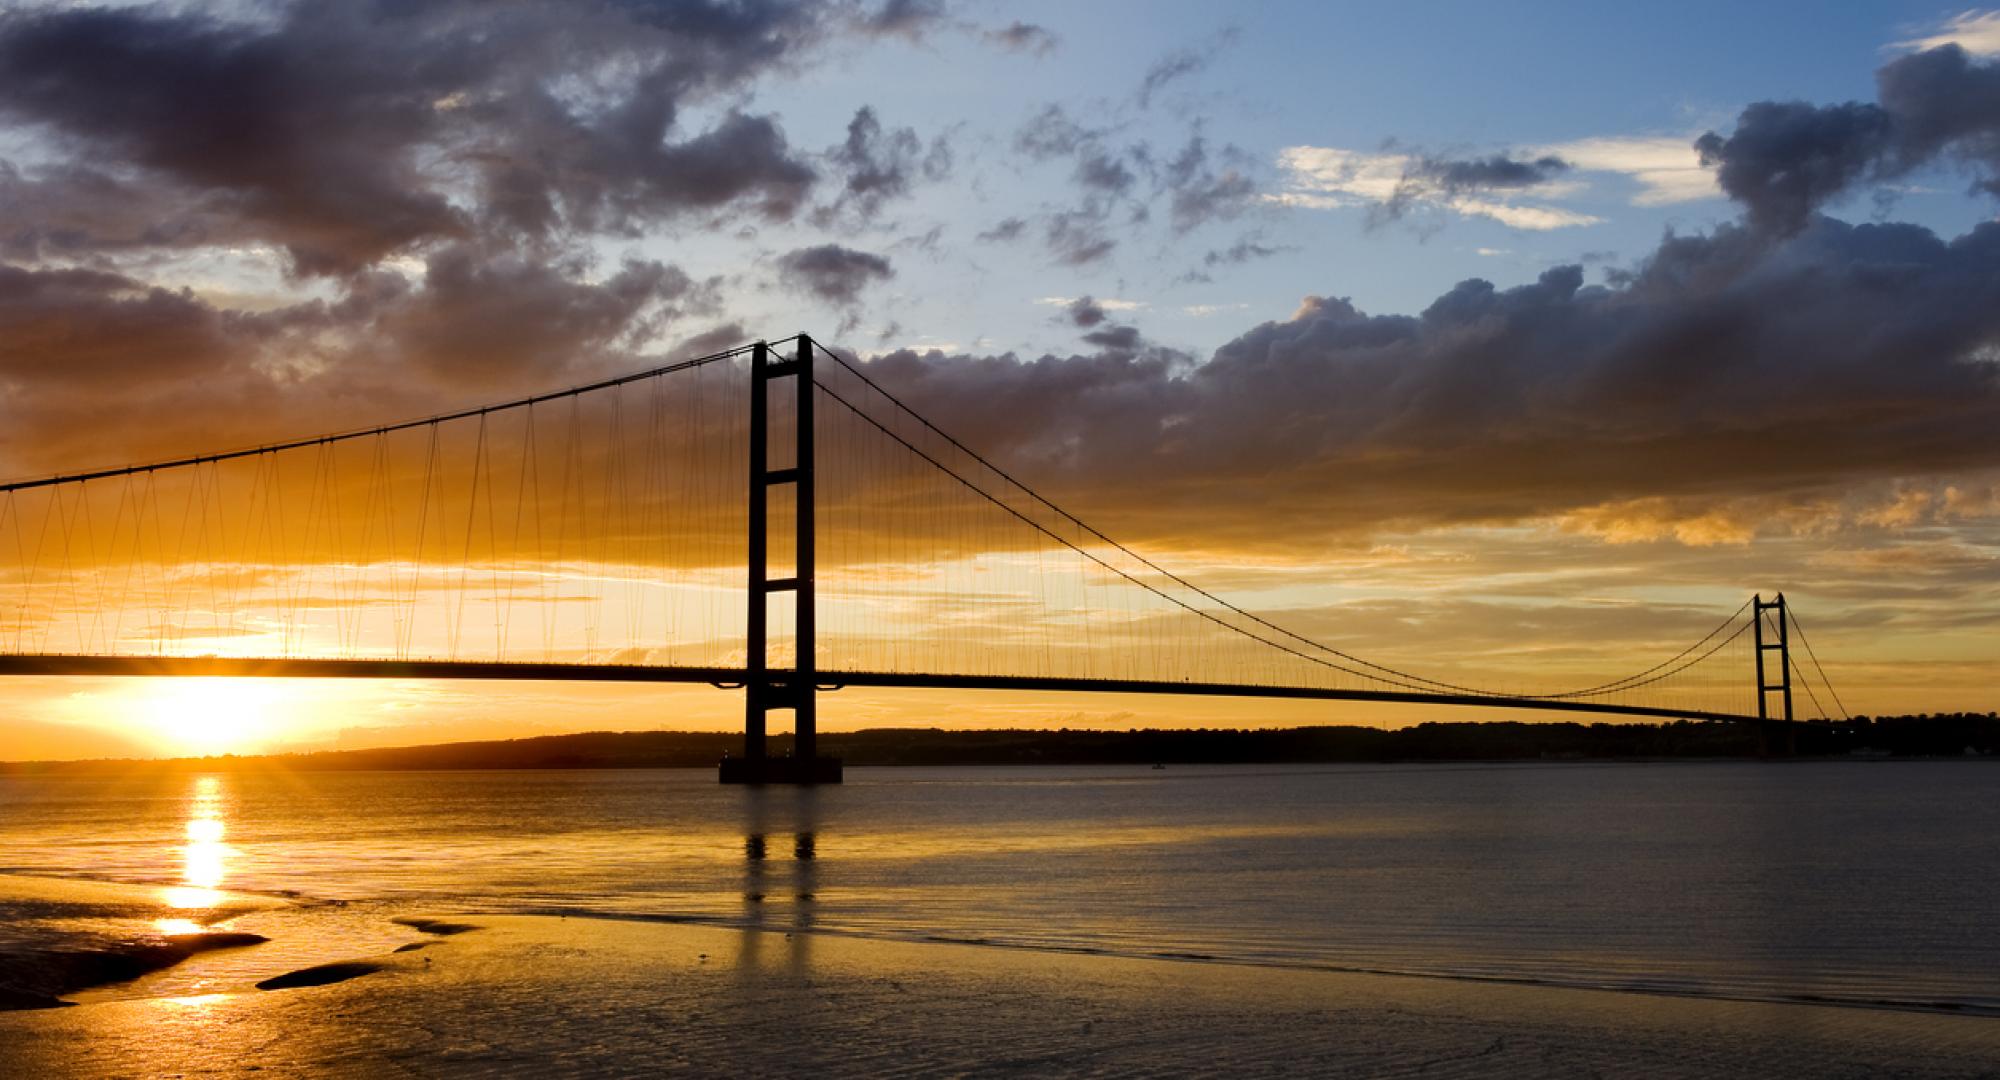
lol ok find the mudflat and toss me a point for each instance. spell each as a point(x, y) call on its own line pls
point(545, 995)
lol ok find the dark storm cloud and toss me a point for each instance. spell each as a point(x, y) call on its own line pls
point(279, 126)
point(833, 273)
point(82, 212)
point(1024, 37)
point(345, 132)
point(631, 177)
point(91, 328)
point(1786, 160)
point(447, 166)
point(485, 319)
point(97, 367)
point(1729, 366)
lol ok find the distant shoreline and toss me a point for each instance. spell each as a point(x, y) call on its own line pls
point(1954, 735)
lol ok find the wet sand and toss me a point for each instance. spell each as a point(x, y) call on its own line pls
point(550, 996)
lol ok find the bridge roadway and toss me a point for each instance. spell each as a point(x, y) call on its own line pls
point(297, 668)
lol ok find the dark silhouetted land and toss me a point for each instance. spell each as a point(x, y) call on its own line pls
point(1941, 735)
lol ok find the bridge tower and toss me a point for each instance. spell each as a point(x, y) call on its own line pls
point(766, 689)
point(1765, 687)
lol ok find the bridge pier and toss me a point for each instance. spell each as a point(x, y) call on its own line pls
point(764, 689)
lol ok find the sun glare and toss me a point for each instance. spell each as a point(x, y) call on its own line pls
point(210, 716)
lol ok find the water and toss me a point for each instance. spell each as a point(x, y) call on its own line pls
point(1865, 883)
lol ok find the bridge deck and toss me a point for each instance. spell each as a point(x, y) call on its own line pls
point(294, 668)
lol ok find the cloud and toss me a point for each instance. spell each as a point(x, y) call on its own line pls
point(327, 169)
point(1786, 160)
point(1201, 192)
point(879, 166)
point(74, 211)
point(1667, 168)
point(1004, 230)
point(121, 370)
point(1977, 32)
point(1243, 251)
point(1181, 64)
point(1024, 37)
point(1494, 172)
point(1051, 133)
point(1084, 312)
point(1117, 338)
point(346, 134)
point(1528, 218)
point(742, 160)
point(1078, 237)
point(1391, 185)
point(908, 19)
point(1728, 367)
point(1099, 169)
point(833, 273)
point(485, 319)
point(1109, 303)
point(1093, 317)
point(1197, 184)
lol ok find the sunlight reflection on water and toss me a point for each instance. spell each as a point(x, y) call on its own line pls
point(204, 858)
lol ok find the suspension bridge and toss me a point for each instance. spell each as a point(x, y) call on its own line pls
point(769, 518)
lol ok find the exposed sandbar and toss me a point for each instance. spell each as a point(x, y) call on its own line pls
point(320, 975)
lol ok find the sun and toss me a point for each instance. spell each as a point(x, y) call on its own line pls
point(210, 716)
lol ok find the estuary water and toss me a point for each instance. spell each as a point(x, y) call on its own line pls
point(1867, 883)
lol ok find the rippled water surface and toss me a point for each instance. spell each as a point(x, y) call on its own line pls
point(1866, 882)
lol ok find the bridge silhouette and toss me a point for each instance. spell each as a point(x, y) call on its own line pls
point(606, 532)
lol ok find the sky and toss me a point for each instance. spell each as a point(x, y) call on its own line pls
point(1436, 328)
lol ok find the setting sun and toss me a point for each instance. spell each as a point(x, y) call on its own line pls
point(211, 716)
